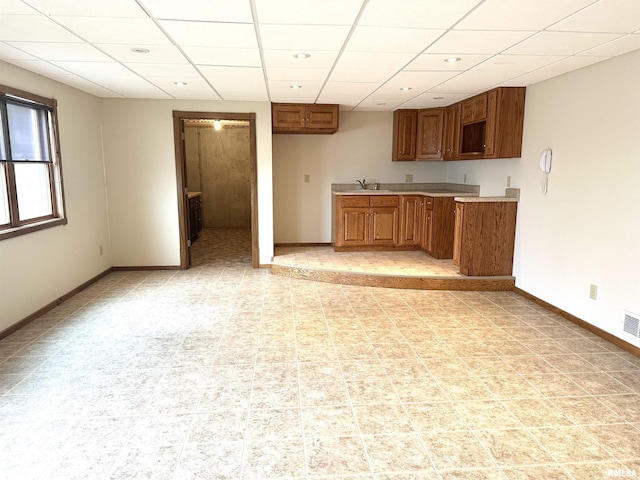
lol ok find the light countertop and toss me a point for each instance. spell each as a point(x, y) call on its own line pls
point(194, 194)
point(466, 199)
point(428, 193)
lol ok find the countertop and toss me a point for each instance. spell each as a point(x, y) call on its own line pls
point(466, 199)
point(429, 193)
point(191, 195)
point(427, 189)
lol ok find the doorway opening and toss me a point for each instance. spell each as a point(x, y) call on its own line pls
point(216, 175)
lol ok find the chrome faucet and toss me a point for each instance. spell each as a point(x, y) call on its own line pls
point(362, 183)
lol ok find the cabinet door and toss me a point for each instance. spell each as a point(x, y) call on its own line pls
point(427, 231)
point(322, 117)
point(288, 116)
point(490, 128)
point(429, 134)
point(410, 220)
point(354, 230)
point(383, 222)
point(404, 135)
point(474, 109)
point(451, 137)
point(457, 234)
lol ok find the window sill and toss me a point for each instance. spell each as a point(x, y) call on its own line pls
point(31, 227)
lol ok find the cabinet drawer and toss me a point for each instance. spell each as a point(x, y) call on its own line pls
point(354, 200)
point(428, 203)
point(384, 201)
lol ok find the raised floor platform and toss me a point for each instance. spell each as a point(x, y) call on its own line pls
point(409, 269)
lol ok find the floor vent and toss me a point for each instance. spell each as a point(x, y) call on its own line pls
point(632, 324)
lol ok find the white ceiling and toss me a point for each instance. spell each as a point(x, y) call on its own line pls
point(362, 52)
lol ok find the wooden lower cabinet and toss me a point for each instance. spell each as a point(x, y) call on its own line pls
point(485, 237)
point(363, 221)
point(438, 224)
point(411, 219)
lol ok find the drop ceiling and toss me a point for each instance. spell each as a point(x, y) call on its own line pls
point(363, 54)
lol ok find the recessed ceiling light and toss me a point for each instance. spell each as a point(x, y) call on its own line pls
point(295, 87)
point(140, 50)
point(302, 55)
point(405, 89)
point(452, 59)
point(180, 84)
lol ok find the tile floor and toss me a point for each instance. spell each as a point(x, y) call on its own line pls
point(226, 372)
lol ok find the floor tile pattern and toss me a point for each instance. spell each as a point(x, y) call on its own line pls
point(228, 372)
point(223, 247)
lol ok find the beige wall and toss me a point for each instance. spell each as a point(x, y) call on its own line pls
point(37, 268)
point(360, 149)
point(219, 166)
point(141, 177)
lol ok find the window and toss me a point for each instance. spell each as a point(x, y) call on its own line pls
point(31, 196)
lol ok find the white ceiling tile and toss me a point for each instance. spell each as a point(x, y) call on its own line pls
point(465, 84)
point(85, 8)
point(619, 46)
point(79, 52)
point(374, 60)
point(418, 81)
point(560, 43)
point(33, 28)
point(235, 57)
point(376, 106)
point(237, 83)
point(16, 7)
point(85, 86)
point(282, 92)
point(297, 75)
point(346, 90)
point(303, 37)
point(39, 66)
point(512, 65)
point(308, 12)
point(387, 39)
point(460, 42)
point(195, 94)
point(436, 61)
point(7, 52)
point(179, 71)
point(433, 100)
point(167, 83)
point(416, 14)
point(520, 14)
point(149, 91)
point(99, 72)
point(157, 53)
point(286, 59)
point(346, 74)
point(612, 16)
point(209, 34)
point(559, 68)
point(133, 31)
point(238, 11)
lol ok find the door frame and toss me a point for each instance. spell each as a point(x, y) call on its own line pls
point(181, 177)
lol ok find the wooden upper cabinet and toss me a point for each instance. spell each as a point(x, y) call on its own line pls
point(474, 109)
point(429, 134)
point(404, 135)
point(451, 137)
point(496, 133)
point(304, 118)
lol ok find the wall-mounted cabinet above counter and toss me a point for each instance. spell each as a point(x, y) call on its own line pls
point(305, 118)
point(488, 125)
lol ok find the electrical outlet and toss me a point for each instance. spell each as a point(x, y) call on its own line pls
point(593, 292)
point(508, 182)
point(408, 179)
point(307, 178)
point(464, 179)
point(101, 250)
